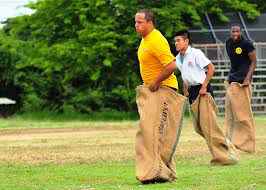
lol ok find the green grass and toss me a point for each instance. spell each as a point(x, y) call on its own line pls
point(74, 116)
point(96, 155)
point(65, 120)
point(248, 175)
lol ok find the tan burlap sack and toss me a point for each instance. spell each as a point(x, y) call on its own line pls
point(239, 121)
point(204, 113)
point(161, 114)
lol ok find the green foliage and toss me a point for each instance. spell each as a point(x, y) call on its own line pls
point(261, 6)
point(81, 55)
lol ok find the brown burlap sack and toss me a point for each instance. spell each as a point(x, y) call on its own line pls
point(239, 121)
point(204, 113)
point(161, 114)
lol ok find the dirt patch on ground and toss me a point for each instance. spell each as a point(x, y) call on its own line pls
point(88, 143)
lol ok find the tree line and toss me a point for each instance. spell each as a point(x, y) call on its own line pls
point(80, 55)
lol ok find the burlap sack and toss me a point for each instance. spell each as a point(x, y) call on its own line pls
point(204, 113)
point(161, 114)
point(239, 121)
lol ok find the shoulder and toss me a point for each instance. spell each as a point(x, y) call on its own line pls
point(228, 41)
point(157, 42)
point(196, 51)
point(200, 55)
point(157, 33)
point(200, 58)
point(247, 43)
point(157, 37)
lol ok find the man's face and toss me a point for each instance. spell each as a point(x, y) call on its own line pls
point(235, 33)
point(181, 43)
point(141, 24)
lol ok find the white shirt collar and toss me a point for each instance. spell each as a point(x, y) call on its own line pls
point(187, 51)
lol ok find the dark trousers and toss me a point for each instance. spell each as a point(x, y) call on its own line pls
point(194, 92)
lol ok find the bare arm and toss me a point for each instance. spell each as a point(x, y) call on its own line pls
point(185, 88)
point(210, 72)
point(167, 71)
point(253, 58)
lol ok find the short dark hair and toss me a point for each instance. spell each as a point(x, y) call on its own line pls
point(236, 25)
point(149, 16)
point(185, 34)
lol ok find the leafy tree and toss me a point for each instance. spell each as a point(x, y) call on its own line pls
point(81, 55)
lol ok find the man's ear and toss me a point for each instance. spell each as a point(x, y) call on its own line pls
point(150, 23)
point(187, 40)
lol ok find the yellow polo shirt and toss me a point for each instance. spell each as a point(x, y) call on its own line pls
point(154, 54)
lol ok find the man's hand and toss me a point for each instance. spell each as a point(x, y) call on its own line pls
point(186, 93)
point(154, 86)
point(203, 90)
point(246, 82)
point(210, 72)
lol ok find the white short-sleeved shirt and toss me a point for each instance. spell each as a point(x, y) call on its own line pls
point(192, 66)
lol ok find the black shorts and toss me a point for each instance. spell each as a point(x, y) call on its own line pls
point(194, 92)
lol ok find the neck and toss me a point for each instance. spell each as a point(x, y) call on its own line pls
point(183, 51)
point(148, 32)
point(237, 40)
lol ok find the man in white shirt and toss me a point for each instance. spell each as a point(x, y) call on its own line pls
point(192, 63)
point(197, 71)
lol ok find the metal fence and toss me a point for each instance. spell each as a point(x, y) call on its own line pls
point(217, 54)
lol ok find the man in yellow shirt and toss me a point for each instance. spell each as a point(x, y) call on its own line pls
point(157, 63)
point(159, 106)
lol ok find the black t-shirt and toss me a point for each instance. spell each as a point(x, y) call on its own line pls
point(240, 62)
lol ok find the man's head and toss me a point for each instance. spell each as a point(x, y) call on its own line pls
point(182, 40)
point(144, 22)
point(235, 32)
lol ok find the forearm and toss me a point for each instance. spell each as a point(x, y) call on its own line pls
point(251, 70)
point(207, 80)
point(252, 67)
point(185, 85)
point(209, 75)
point(167, 71)
point(185, 88)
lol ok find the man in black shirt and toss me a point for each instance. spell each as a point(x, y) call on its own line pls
point(240, 126)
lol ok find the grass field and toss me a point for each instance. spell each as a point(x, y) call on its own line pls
point(45, 154)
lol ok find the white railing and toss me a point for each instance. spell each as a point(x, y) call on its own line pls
point(217, 54)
